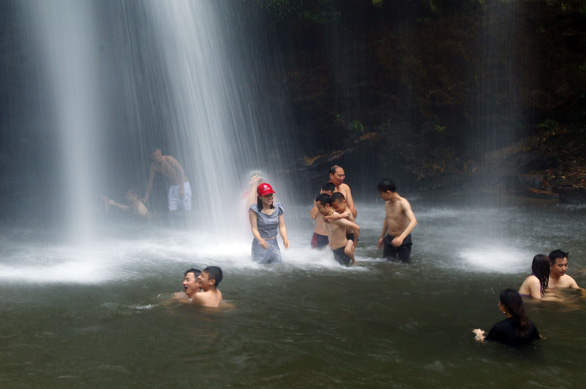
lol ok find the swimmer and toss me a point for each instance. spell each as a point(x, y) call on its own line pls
point(337, 177)
point(208, 280)
point(343, 212)
point(320, 234)
point(516, 329)
point(136, 206)
point(191, 286)
point(558, 279)
point(535, 285)
point(399, 222)
point(179, 195)
point(337, 230)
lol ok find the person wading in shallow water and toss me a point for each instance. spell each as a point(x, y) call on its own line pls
point(337, 177)
point(266, 218)
point(179, 196)
point(395, 237)
point(516, 329)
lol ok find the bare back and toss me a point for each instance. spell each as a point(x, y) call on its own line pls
point(211, 298)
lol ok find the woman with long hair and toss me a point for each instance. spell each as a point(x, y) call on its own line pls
point(535, 285)
point(516, 329)
point(266, 219)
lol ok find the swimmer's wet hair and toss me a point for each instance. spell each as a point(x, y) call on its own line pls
point(337, 196)
point(197, 272)
point(329, 187)
point(387, 185)
point(334, 168)
point(324, 199)
point(555, 254)
point(215, 273)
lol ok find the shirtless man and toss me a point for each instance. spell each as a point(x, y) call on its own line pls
point(136, 206)
point(320, 234)
point(337, 230)
point(337, 177)
point(558, 279)
point(210, 296)
point(179, 195)
point(398, 224)
point(190, 286)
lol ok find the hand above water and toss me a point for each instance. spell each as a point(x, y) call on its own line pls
point(479, 334)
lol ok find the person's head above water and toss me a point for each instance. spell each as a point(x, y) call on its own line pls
point(559, 263)
point(338, 202)
point(337, 175)
point(323, 202)
point(191, 282)
point(387, 185)
point(265, 196)
point(156, 154)
point(328, 188)
point(540, 268)
point(210, 277)
point(131, 195)
point(511, 303)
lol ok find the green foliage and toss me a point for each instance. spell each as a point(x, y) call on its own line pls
point(356, 126)
point(548, 124)
point(318, 11)
point(439, 129)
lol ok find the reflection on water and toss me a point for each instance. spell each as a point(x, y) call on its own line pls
point(74, 316)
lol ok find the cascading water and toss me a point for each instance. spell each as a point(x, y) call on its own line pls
point(70, 59)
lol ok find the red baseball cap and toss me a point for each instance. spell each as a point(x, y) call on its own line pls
point(264, 189)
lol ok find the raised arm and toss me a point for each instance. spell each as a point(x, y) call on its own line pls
point(283, 231)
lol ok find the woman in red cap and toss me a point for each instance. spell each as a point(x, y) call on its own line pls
point(266, 217)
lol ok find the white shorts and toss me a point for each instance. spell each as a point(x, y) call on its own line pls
point(176, 202)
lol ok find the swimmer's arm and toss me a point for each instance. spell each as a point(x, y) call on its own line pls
point(350, 202)
point(335, 216)
point(149, 183)
point(535, 288)
point(314, 211)
point(573, 284)
point(348, 224)
point(384, 232)
point(254, 227)
point(123, 207)
point(181, 297)
point(283, 231)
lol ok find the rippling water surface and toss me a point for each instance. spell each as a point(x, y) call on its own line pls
point(98, 316)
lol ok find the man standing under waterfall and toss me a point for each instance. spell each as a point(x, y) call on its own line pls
point(179, 195)
point(337, 176)
point(395, 238)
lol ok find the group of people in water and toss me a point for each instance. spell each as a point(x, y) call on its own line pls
point(548, 275)
point(335, 214)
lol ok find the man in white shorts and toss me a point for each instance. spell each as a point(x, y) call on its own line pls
point(179, 195)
